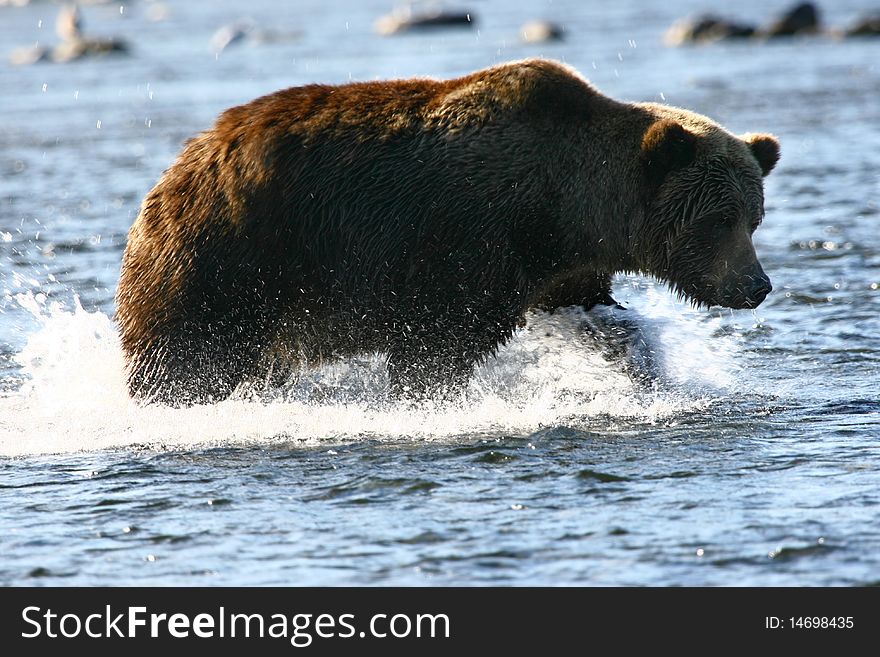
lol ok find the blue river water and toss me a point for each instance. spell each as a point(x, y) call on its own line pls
point(751, 457)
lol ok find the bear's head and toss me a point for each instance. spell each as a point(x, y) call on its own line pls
point(705, 200)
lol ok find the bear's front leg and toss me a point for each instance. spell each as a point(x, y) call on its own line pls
point(428, 372)
point(583, 289)
point(435, 360)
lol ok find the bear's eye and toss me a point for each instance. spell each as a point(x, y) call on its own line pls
point(721, 219)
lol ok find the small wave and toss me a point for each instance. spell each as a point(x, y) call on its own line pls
point(556, 370)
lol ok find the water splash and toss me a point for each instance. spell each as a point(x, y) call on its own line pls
point(556, 370)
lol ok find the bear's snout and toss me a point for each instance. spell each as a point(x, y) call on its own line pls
point(749, 291)
point(756, 293)
point(760, 289)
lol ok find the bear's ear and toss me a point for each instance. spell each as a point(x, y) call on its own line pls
point(765, 148)
point(667, 146)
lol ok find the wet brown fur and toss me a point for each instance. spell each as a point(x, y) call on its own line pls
point(418, 218)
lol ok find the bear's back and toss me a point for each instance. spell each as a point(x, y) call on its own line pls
point(531, 90)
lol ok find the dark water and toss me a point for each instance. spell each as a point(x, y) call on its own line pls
point(749, 458)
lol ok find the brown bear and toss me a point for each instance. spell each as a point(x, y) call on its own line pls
point(420, 219)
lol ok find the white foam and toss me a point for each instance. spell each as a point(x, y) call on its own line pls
point(75, 398)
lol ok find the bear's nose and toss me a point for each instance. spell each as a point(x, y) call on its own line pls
point(760, 288)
